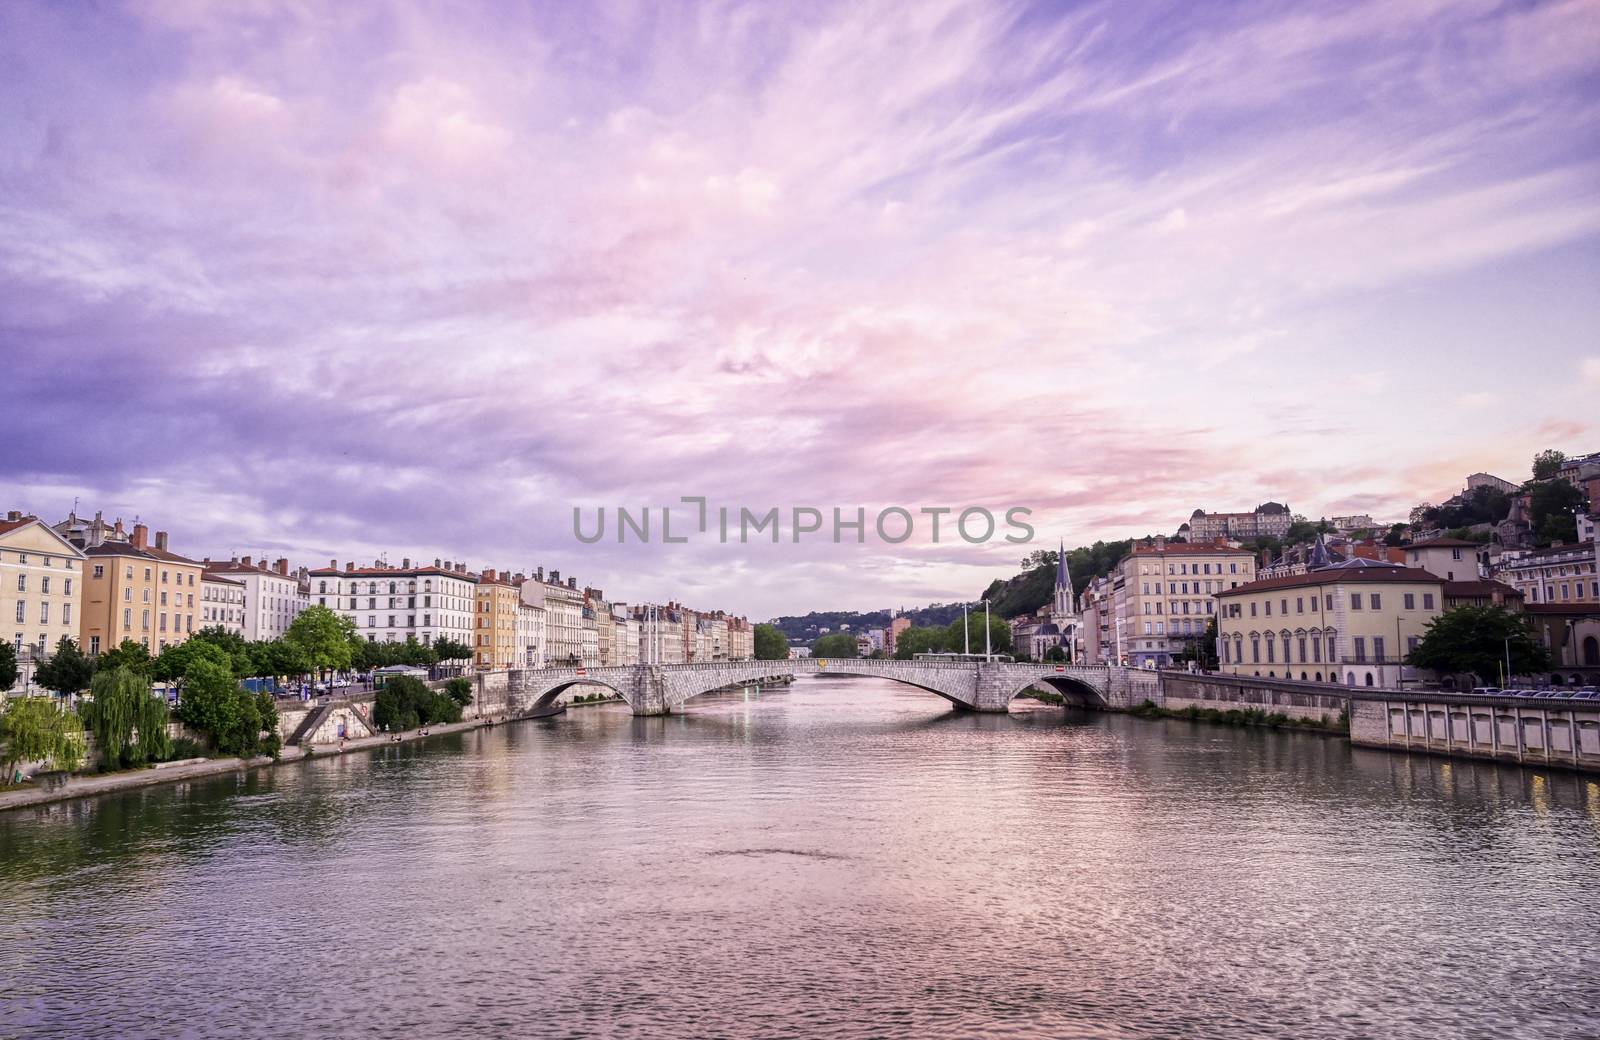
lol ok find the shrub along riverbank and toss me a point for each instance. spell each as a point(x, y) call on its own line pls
point(1254, 717)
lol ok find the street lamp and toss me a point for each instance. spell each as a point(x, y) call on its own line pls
point(987, 655)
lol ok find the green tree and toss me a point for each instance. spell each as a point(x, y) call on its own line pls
point(232, 718)
point(450, 650)
point(67, 671)
point(128, 722)
point(999, 634)
point(771, 643)
point(919, 640)
point(419, 654)
point(838, 644)
point(1552, 507)
point(40, 729)
point(1547, 463)
point(8, 666)
point(460, 691)
point(127, 654)
point(406, 702)
point(1476, 640)
point(320, 639)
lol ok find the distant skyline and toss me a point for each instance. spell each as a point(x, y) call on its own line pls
point(327, 280)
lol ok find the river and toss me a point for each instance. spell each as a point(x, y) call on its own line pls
point(842, 858)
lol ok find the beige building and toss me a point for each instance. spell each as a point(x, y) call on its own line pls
point(1169, 595)
point(1268, 520)
point(41, 580)
point(1562, 575)
point(1351, 623)
point(138, 589)
point(392, 604)
point(531, 633)
point(495, 645)
point(1453, 559)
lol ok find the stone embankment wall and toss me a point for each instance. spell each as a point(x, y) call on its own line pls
point(1525, 730)
point(1315, 701)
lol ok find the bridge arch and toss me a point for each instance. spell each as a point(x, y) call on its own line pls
point(947, 682)
point(547, 697)
point(1073, 690)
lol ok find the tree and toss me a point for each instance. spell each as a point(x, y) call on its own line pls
point(232, 718)
point(450, 650)
point(999, 634)
point(320, 639)
point(1476, 640)
point(68, 669)
point(771, 644)
point(840, 644)
point(36, 729)
point(1396, 535)
point(1551, 509)
point(918, 640)
point(1547, 463)
point(405, 702)
point(128, 722)
point(460, 691)
point(414, 653)
point(128, 654)
point(8, 666)
point(1202, 649)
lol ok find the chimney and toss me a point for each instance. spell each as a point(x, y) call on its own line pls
point(572, 583)
point(1161, 542)
point(206, 562)
point(461, 568)
point(349, 567)
point(488, 574)
point(141, 536)
point(436, 561)
point(282, 566)
point(405, 563)
point(539, 574)
point(555, 577)
point(14, 515)
point(248, 561)
point(449, 565)
point(118, 526)
point(333, 565)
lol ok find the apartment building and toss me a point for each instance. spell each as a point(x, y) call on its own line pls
point(1351, 623)
point(273, 595)
point(1562, 575)
point(1168, 591)
point(495, 644)
point(390, 604)
point(136, 588)
point(222, 603)
point(564, 621)
point(41, 578)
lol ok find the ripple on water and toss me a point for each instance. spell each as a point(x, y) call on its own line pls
point(845, 858)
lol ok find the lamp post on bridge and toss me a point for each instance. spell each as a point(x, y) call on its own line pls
point(987, 655)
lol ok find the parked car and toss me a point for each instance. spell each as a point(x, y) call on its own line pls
point(341, 683)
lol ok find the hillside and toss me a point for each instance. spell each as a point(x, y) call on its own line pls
point(1026, 592)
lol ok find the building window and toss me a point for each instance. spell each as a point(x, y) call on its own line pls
point(1411, 644)
point(1355, 601)
point(94, 646)
point(1361, 649)
point(22, 583)
point(1377, 649)
point(1377, 601)
point(1427, 601)
point(22, 612)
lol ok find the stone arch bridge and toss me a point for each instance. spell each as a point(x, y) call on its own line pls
point(987, 686)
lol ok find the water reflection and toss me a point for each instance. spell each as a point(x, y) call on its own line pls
point(841, 858)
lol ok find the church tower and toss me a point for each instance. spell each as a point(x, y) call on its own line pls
point(1065, 603)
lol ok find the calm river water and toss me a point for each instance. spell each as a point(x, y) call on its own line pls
point(845, 858)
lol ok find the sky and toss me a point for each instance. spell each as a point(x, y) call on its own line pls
point(335, 280)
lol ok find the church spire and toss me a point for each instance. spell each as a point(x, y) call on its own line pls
point(1065, 601)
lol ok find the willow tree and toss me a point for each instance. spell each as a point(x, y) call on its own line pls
point(38, 729)
point(129, 723)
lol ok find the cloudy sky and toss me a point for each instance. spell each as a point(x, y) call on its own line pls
point(328, 280)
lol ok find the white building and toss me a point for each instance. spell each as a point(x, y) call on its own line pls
point(627, 630)
point(273, 597)
point(391, 604)
point(531, 635)
point(563, 607)
point(222, 603)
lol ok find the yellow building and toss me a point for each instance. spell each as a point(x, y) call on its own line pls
point(1350, 623)
point(1169, 590)
point(41, 578)
point(496, 627)
point(138, 589)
